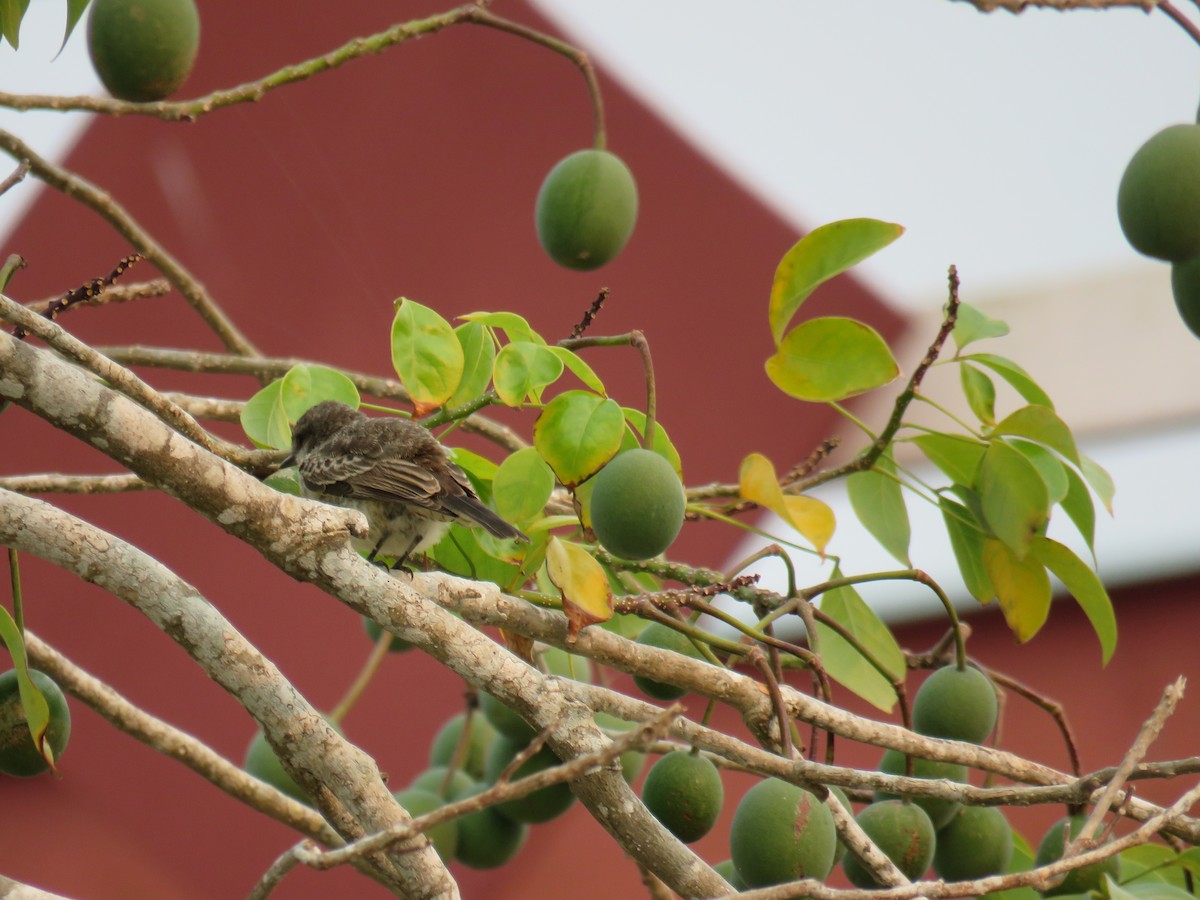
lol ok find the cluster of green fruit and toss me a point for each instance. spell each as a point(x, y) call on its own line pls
point(1158, 204)
point(19, 756)
point(143, 50)
point(492, 836)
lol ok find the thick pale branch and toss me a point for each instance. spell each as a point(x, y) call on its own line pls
point(309, 541)
point(169, 740)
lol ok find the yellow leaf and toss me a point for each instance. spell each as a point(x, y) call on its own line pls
point(809, 516)
point(586, 595)
point(1022, 587)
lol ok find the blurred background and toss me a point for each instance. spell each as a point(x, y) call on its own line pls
point(996, 140)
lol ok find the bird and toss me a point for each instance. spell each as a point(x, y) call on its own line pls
point(392, 470)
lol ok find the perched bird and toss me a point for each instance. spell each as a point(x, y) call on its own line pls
point(393, 471)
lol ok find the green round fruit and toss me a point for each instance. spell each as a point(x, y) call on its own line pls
point(263, 764)
point(1158, 201)
point(445, 743)
point(728, 871)
point(684, 791)
point(903, 832)
point(586, 209)
point(540, 806)
point(632, 761)
point(438, 780)
point(975, 844)
point(374, 630)
point(940, 811)
point(567, 665)
point(637, 505)
point(1078, 881)
point(444, 836)
point(506, 721)
point(780, 833)
point(1185, 286)
point(143, 50)
point(664, 637)
point(958, 704)
point(19, 755)
point(486, 839)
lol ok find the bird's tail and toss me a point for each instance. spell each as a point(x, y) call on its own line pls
point(470, 508)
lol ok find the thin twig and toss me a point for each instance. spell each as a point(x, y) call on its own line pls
point(17, 176)
point(101, 202)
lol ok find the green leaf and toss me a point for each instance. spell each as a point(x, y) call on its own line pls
point(878, 501)
point(1020, 380)
point(980, 393)
point(577, 433)
point(844, 663)
point(11, 14)
point(635, 421)
point(1049, 466)
point(1013, 495)
point(37, 711)
point(1099, 479)
point(479, 355)
point(973, 325)
point(1085, 586)
point(1078, 505)
point(460, 553)
point(1022, 587)
point(303, 387)
point(831, 358)
point(1146, 864)
point(522, 486)
point(525, 370)
point(958, 457)
point(1039, 423)
point(515, 327)
point(75, 10)
point(426, 355)
point(1022, 861)
point(264, 419)
point(481, 469)
point(579, 369)
point(818, 256)
point(966, 540)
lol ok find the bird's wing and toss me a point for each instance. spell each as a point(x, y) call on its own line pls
point(396, 481)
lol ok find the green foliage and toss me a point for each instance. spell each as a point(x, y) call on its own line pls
point(903, 832)
point(586, 209)
point(143, 50)
point(577, 433)
point(20, 696)
point(878, 500)
point(820, 255)
point(780, 833)
point(831, 358)
point(842, 660)
point(637, 505)
point(683, 790)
